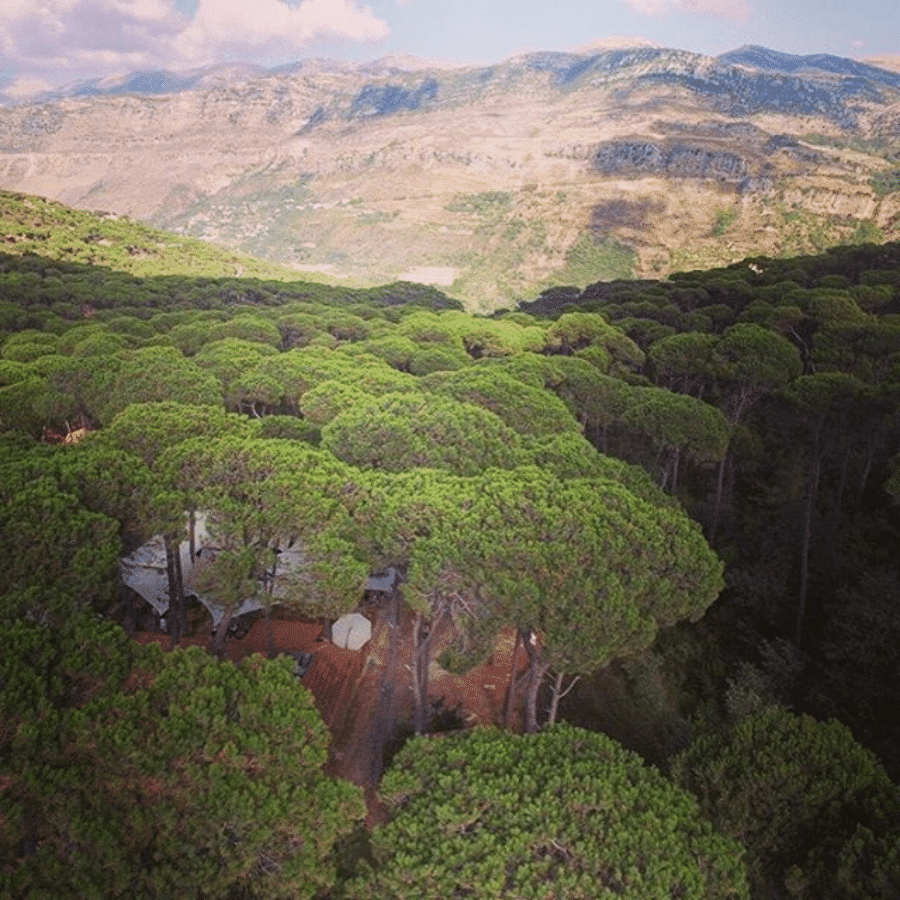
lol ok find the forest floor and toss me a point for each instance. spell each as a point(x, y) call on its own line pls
point(365, 696)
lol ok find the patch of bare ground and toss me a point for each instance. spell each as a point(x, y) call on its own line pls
point(365, 697)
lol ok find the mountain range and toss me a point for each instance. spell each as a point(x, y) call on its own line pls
point(493, 182)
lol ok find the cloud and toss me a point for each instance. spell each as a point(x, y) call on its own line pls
point(732, 10)
point(67, 39)
point(615, 42)
point(263, 31)
point(22, 88)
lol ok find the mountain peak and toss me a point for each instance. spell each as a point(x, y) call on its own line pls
point(754, 56)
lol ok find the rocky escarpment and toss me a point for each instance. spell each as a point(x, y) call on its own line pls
point(675, 160)
point(384, 99)
point(738, 154)
point(737, 92)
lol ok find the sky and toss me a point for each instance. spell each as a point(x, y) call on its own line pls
point(49, 43)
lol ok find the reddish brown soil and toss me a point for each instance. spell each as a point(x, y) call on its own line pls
point(365, 697)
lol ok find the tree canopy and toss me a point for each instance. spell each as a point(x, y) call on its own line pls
point(816, 812)
point(158, 775)
point(567, 813)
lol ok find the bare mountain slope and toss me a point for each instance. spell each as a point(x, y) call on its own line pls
point(494, 182)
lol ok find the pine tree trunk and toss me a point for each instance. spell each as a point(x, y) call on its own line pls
point(537, 672)
point(717, 508)
point(181, 611)
point(841, 488)
point(537, 669)
point(558, 694)
point(270, 588)
point(418, 693)
point(512, 691)
point(871, 444)
point(554, 700)
point(384, 726)
point(192, 536)
point(270, 637)
point(424, 643)
point(175, 613)
point(807, 539)
point(218, 642)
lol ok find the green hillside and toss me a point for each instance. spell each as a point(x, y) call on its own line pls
point(35, 225)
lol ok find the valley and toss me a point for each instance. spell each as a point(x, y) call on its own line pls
point(492, 183)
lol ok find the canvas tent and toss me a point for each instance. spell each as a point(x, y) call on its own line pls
point(352, 632)
point(144, 571)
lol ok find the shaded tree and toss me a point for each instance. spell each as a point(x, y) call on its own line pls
point(748, 362)
point(823, 404)
point(676, 425)
point(815, 811)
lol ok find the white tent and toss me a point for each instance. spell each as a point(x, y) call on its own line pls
point(144, 571)
point(352, 632)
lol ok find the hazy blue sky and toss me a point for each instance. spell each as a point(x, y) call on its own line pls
point(45, 43)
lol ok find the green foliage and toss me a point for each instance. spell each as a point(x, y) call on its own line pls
point(228, 359)
point(487, 203)
point(284, 379)
point(750, 361)
point(589, 260)
point(859, 653)
point(52, 543)
point(48, 228)
point(566, 813)
point(483, 337)
point(29, 344)
point(154, 775)
point(424, 327)
point(290, 428)
point(592, 567)
point(395, 349)
point(579, 549)
point(725, 218)
point(402, 431)
point(531, 411)
point(148, 429)
point(261, 496)
point(247, 327)
point(677, 422)
point(683, 362)
point(577, 332)
point(867, 232)
point(328, 399)
point(815, 810)
point(101, 387)
point(437, 358)
point(884, 183)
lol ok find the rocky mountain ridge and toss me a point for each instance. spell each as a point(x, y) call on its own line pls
point(493, 181)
